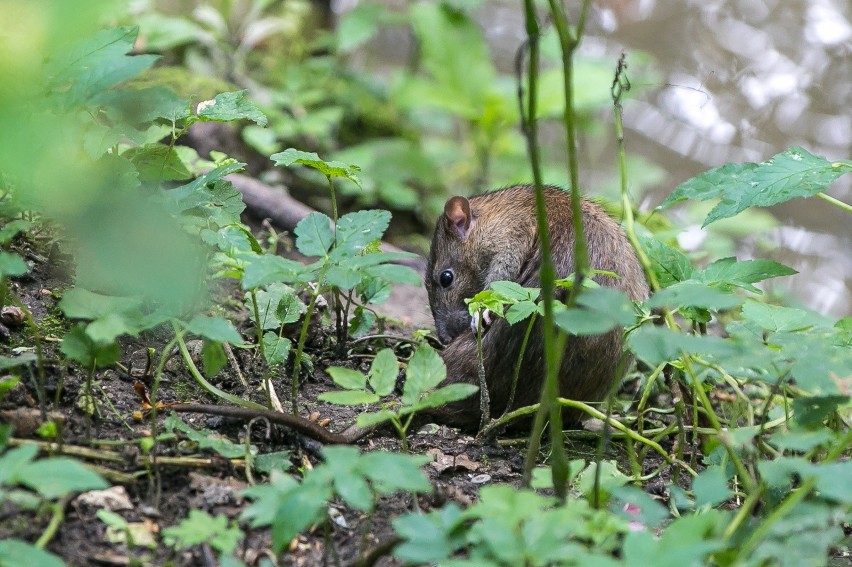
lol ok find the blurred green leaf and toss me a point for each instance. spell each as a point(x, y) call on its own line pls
point(228, 107)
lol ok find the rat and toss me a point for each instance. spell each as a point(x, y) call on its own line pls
point(493, 237)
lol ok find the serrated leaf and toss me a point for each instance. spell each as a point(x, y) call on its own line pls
point(515, 291)
point(268, 269)
point(669, 264)
point(314, 235)
point(777, 319)
point(276, 349)
point(191, 195)
point(520, 311)
point(383, 372)
point(361, 323)
point(347, 378)
point(425, 370)
point(290, 308)
point(215, 329)
point(206, 439)
point(157, 162)
point(227, 107)
point(694, 294)
point(357, 230)
point(349, 397)
point(445, 395)
point(200, 527)
point(342, 277)
point(728, 272)
point(793, 173)
point(330, 169)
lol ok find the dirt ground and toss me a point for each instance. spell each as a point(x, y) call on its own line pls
point(155, 494)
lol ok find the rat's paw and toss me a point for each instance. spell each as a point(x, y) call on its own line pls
point(487, 319)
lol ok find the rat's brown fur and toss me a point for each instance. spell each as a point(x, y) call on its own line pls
point(494, 237)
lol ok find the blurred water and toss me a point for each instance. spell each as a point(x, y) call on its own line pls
point(740, 80)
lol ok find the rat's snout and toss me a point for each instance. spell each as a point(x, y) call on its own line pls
point(452, 326)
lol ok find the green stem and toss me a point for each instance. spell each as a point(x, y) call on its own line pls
point(836, 202)
point(258, 325)
point(550, 390)
point(58, 509)
point(300, 348)
point(210, 388)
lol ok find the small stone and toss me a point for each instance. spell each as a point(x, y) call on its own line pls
point(481, 479)
point(13, 316)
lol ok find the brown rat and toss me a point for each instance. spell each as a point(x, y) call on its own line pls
point(494, 237)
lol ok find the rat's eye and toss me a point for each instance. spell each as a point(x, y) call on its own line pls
point(446, 278)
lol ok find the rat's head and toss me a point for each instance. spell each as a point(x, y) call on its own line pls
point(453, 272)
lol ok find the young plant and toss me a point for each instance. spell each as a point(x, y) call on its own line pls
point(424, 372)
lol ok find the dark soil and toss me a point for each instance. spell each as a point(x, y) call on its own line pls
point(162, 491)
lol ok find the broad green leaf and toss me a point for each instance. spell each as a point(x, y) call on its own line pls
point(393, 273)
point(342, 277)
point(427, 537)
point(357, 26)
point(298, 509)
point(276, 305)
point(361, 323)
point(425, 370)
point(12, 265)
point(655, 345)
point(711, 486)
point(694, 294)
point(276, 349)
point(58, 476)
point(191, 195)
point(791, 174)
point(290, 308)
point(347, 378)
point(14, 552)
point(267, 269)
point(14, 460)
point(157, 162)
point(79, 347)
point(213, 358)
point(206, 439)
point(349, 397)
point(802, 440)
point(515, 291)
point(383, 372)
point(777, 319)
point(276, 461)
point(670, 265)
point(729, 272)
point(215, 329)
point(96, 64)
point(602, 309)
point(330, 169)
point(356, 230)
point(374, 418)
point(12, 228)
point(520, 311)
point(200, 527)
point(227, 107)
point(80, 303)
point(389, 472)
point(141, 106)
point(314, 235)
point(445, 395)
point(20, 360)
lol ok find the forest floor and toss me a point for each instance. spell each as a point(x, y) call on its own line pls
point(154, 492)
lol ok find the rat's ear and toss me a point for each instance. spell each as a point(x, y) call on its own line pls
point(458, 217)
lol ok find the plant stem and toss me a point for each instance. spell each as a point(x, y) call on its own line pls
point(257, 323)
point(517, 372)
point(300, 348)
point(484, 398)
point(836, 202)
point(550, 390)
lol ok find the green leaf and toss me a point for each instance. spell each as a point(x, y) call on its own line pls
point(427, 537)
point(356, 230)
point(269, 269)
point(347, 378)
point(383, 372)
point(206, 439)
point(393, 273)
point(290, 308)
point(357, 26)
point(729, 272)
point(349, 397)
point(603, 309)
point(277, 305)
point(374, 418)
point(214, 328)
point(10, 229)
point(192, 194)
point(389, 472)
point(342, 277)
point(445, 395)
point(200, 527)
point(96, 64)
point(361, 323)
point(276, 349)
point(330, 169)
point(15, 552)
point(669, 264)
point(228, 107)
point(515, 291)
point(777, 319)
point(79, 347)
point(12, 265)
point(213, 358)
point(711, 486)
point(276, 461)
point(694, 294)
point(425, 370)
point(314, 235)
point(656, 345)
point(58, 476)
point(157, 162)
point(791, 174)
point(520, 311)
